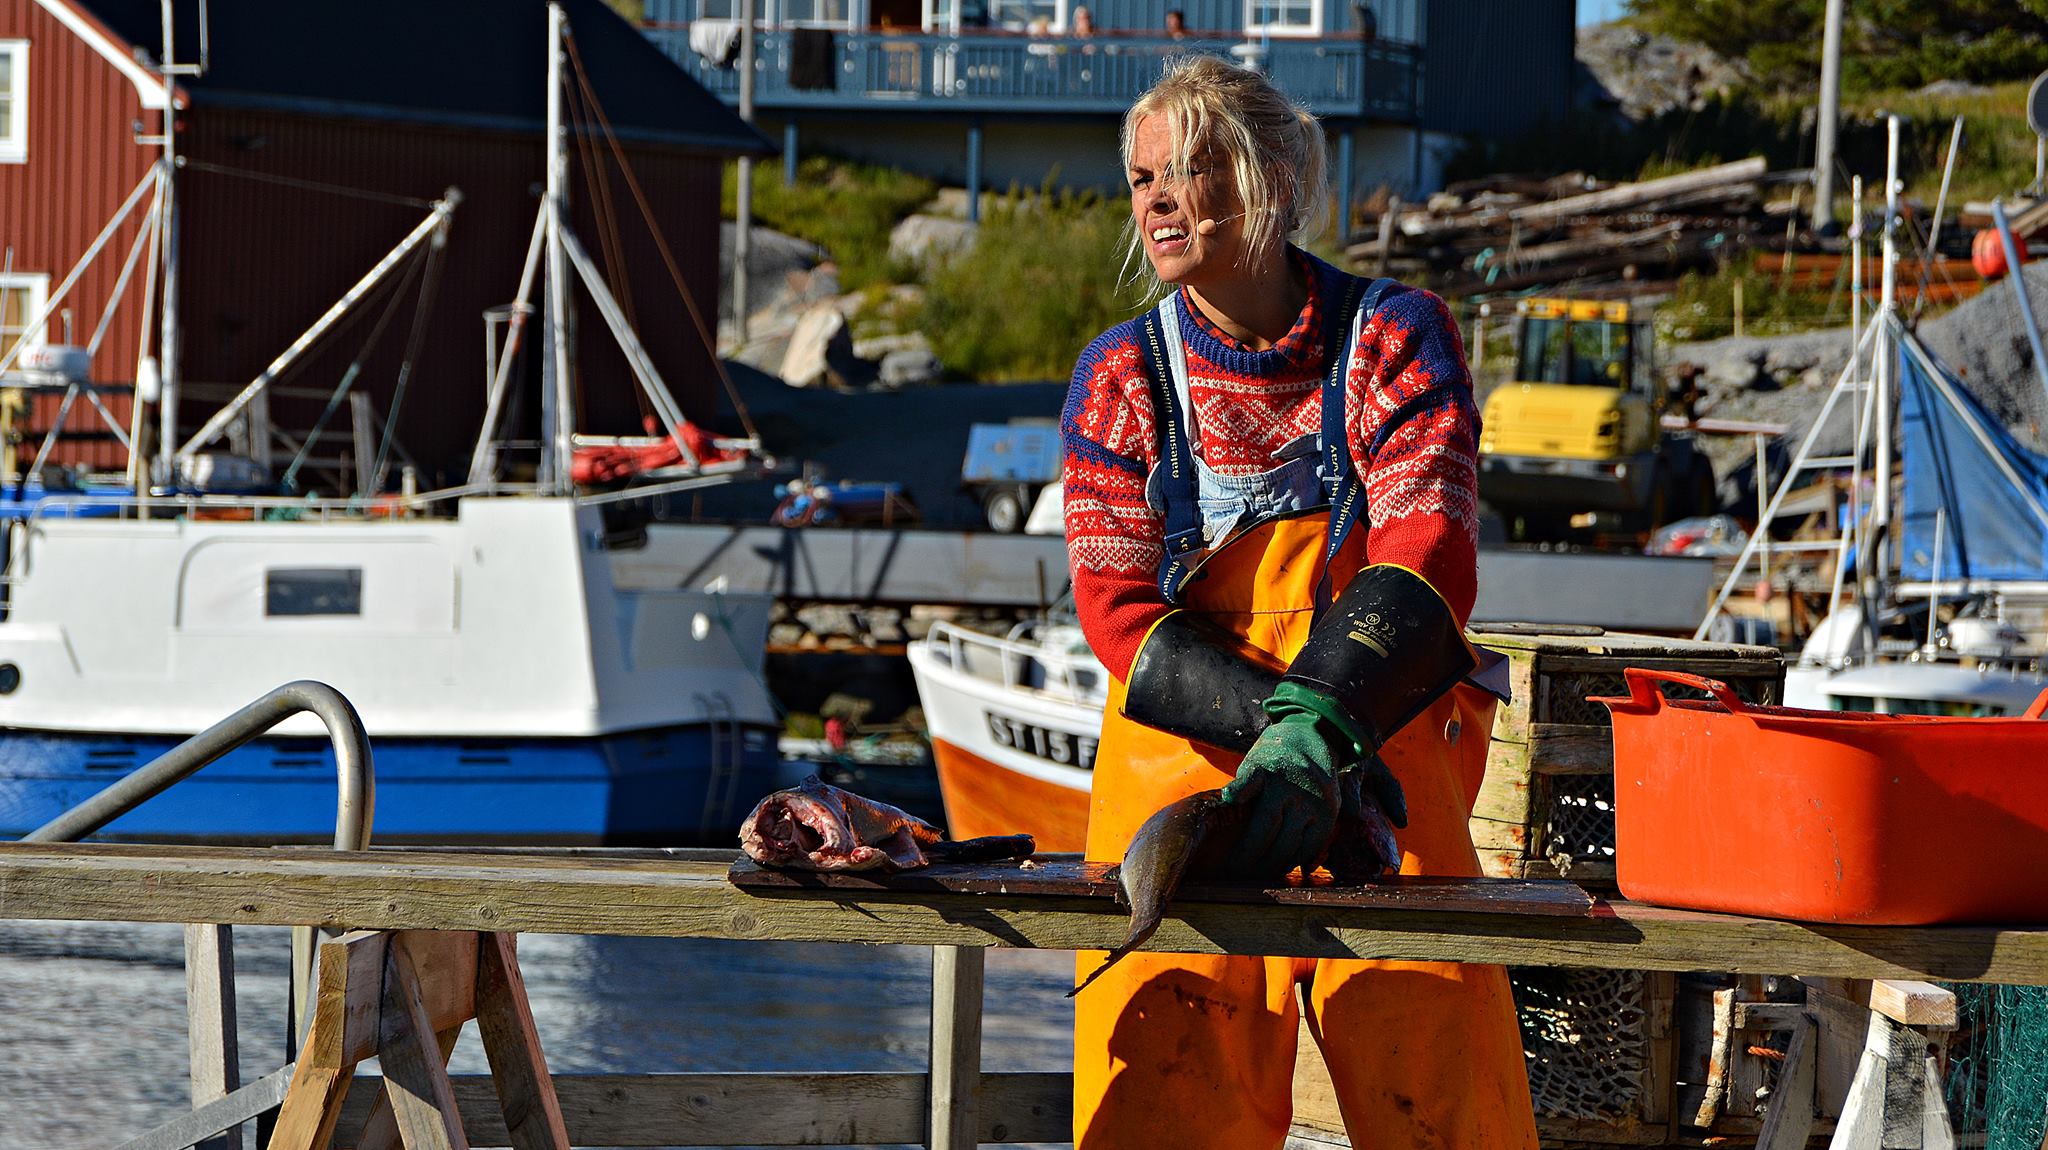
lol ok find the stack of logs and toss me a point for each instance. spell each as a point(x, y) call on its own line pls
point(1504, 233)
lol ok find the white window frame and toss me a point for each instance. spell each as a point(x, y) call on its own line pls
point(1061, 11)
point(14, 140)
point(856, 16)
point(1254, 27)
point(942, 17)
point(38, 285)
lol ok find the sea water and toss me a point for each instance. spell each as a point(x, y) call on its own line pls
point(92, 1016)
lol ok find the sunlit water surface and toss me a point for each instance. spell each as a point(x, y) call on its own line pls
point(92, 1015)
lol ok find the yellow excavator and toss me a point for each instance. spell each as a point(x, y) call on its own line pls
point(1575, 440)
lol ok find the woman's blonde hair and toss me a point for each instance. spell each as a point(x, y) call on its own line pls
point(1272, 147)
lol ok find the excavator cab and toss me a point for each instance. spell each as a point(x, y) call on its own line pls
point(1578, 433)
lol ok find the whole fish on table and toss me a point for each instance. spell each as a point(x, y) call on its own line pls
point(1188, 838)
point(817, 826)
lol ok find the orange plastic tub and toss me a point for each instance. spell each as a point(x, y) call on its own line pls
point(1829, 816)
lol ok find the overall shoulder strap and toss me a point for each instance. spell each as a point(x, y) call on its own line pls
point(1160, 347)
point(1347, 494)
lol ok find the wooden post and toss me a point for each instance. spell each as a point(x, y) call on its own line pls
point(1895, 1097)
point(956, 1047)
point(1789, 1121)
point(210, 1021)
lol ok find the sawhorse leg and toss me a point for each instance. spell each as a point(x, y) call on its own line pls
point(404, 996)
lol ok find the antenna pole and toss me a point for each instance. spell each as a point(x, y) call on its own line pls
point(1824, 134)
point(557, 415)
point(743, 231)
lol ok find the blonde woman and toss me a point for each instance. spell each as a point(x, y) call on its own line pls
point(1271, 520)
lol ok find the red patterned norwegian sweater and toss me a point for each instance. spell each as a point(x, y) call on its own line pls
point(1413, 429)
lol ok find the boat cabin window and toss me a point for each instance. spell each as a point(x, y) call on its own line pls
point(302, 591)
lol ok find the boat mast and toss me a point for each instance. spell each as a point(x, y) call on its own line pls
point(167, 208)
point(557, 418)
point(1884, 355)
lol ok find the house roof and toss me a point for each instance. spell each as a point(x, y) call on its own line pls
point(450, 63)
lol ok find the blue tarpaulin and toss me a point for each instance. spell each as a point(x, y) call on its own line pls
point(1961, 463)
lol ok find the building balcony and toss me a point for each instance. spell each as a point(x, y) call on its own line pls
point(975, 72)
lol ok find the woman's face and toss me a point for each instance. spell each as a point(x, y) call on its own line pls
point(1168, 207)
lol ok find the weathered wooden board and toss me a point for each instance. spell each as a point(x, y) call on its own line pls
point(1069, 876)
point(691, 898)
point(754, 1109)
point(1570, 749)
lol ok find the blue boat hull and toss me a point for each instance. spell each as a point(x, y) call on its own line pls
point(644, 787)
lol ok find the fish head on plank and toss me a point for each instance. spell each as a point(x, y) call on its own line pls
point(817, 826)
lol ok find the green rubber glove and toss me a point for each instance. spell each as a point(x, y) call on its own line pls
point(1288, 785)
point(1289, 780)
point(1379, 782)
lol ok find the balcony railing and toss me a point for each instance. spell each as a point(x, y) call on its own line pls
point(996, 72)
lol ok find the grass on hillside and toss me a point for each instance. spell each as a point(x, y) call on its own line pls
point(1043, 278)
point(1703, 305)
point(849, 209)
point(1997, 157)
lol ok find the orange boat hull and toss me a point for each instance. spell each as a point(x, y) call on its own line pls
point(983, 798)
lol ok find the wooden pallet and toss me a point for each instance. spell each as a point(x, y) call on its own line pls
point(1550, 764)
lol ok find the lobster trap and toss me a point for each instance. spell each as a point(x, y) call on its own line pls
point(1546, 808)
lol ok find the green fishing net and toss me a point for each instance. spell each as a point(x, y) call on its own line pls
point(1998, 1064)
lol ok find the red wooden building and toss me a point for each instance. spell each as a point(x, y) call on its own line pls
point(313, 139)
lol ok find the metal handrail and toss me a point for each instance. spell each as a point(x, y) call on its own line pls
point(355, 775)
point(1059, 666)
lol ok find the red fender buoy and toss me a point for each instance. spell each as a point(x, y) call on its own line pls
point(1987, 255)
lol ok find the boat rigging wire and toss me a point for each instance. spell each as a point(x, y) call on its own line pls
point(430, 281)
point(598, 184)
point(304, 185)
point(668, 258)
point(290, 480)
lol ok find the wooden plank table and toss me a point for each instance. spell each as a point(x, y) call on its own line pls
point(687, 894)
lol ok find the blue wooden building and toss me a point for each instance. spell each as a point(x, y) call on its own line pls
point(999, 92)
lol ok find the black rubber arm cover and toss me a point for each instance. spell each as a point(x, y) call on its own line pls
point(1387, 648)
point(1191, 679)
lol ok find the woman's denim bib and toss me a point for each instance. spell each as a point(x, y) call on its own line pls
point(1233, 503)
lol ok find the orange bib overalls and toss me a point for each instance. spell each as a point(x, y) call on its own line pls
point(1197, 1051)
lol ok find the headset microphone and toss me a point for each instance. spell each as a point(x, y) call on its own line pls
point(1208, 227)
